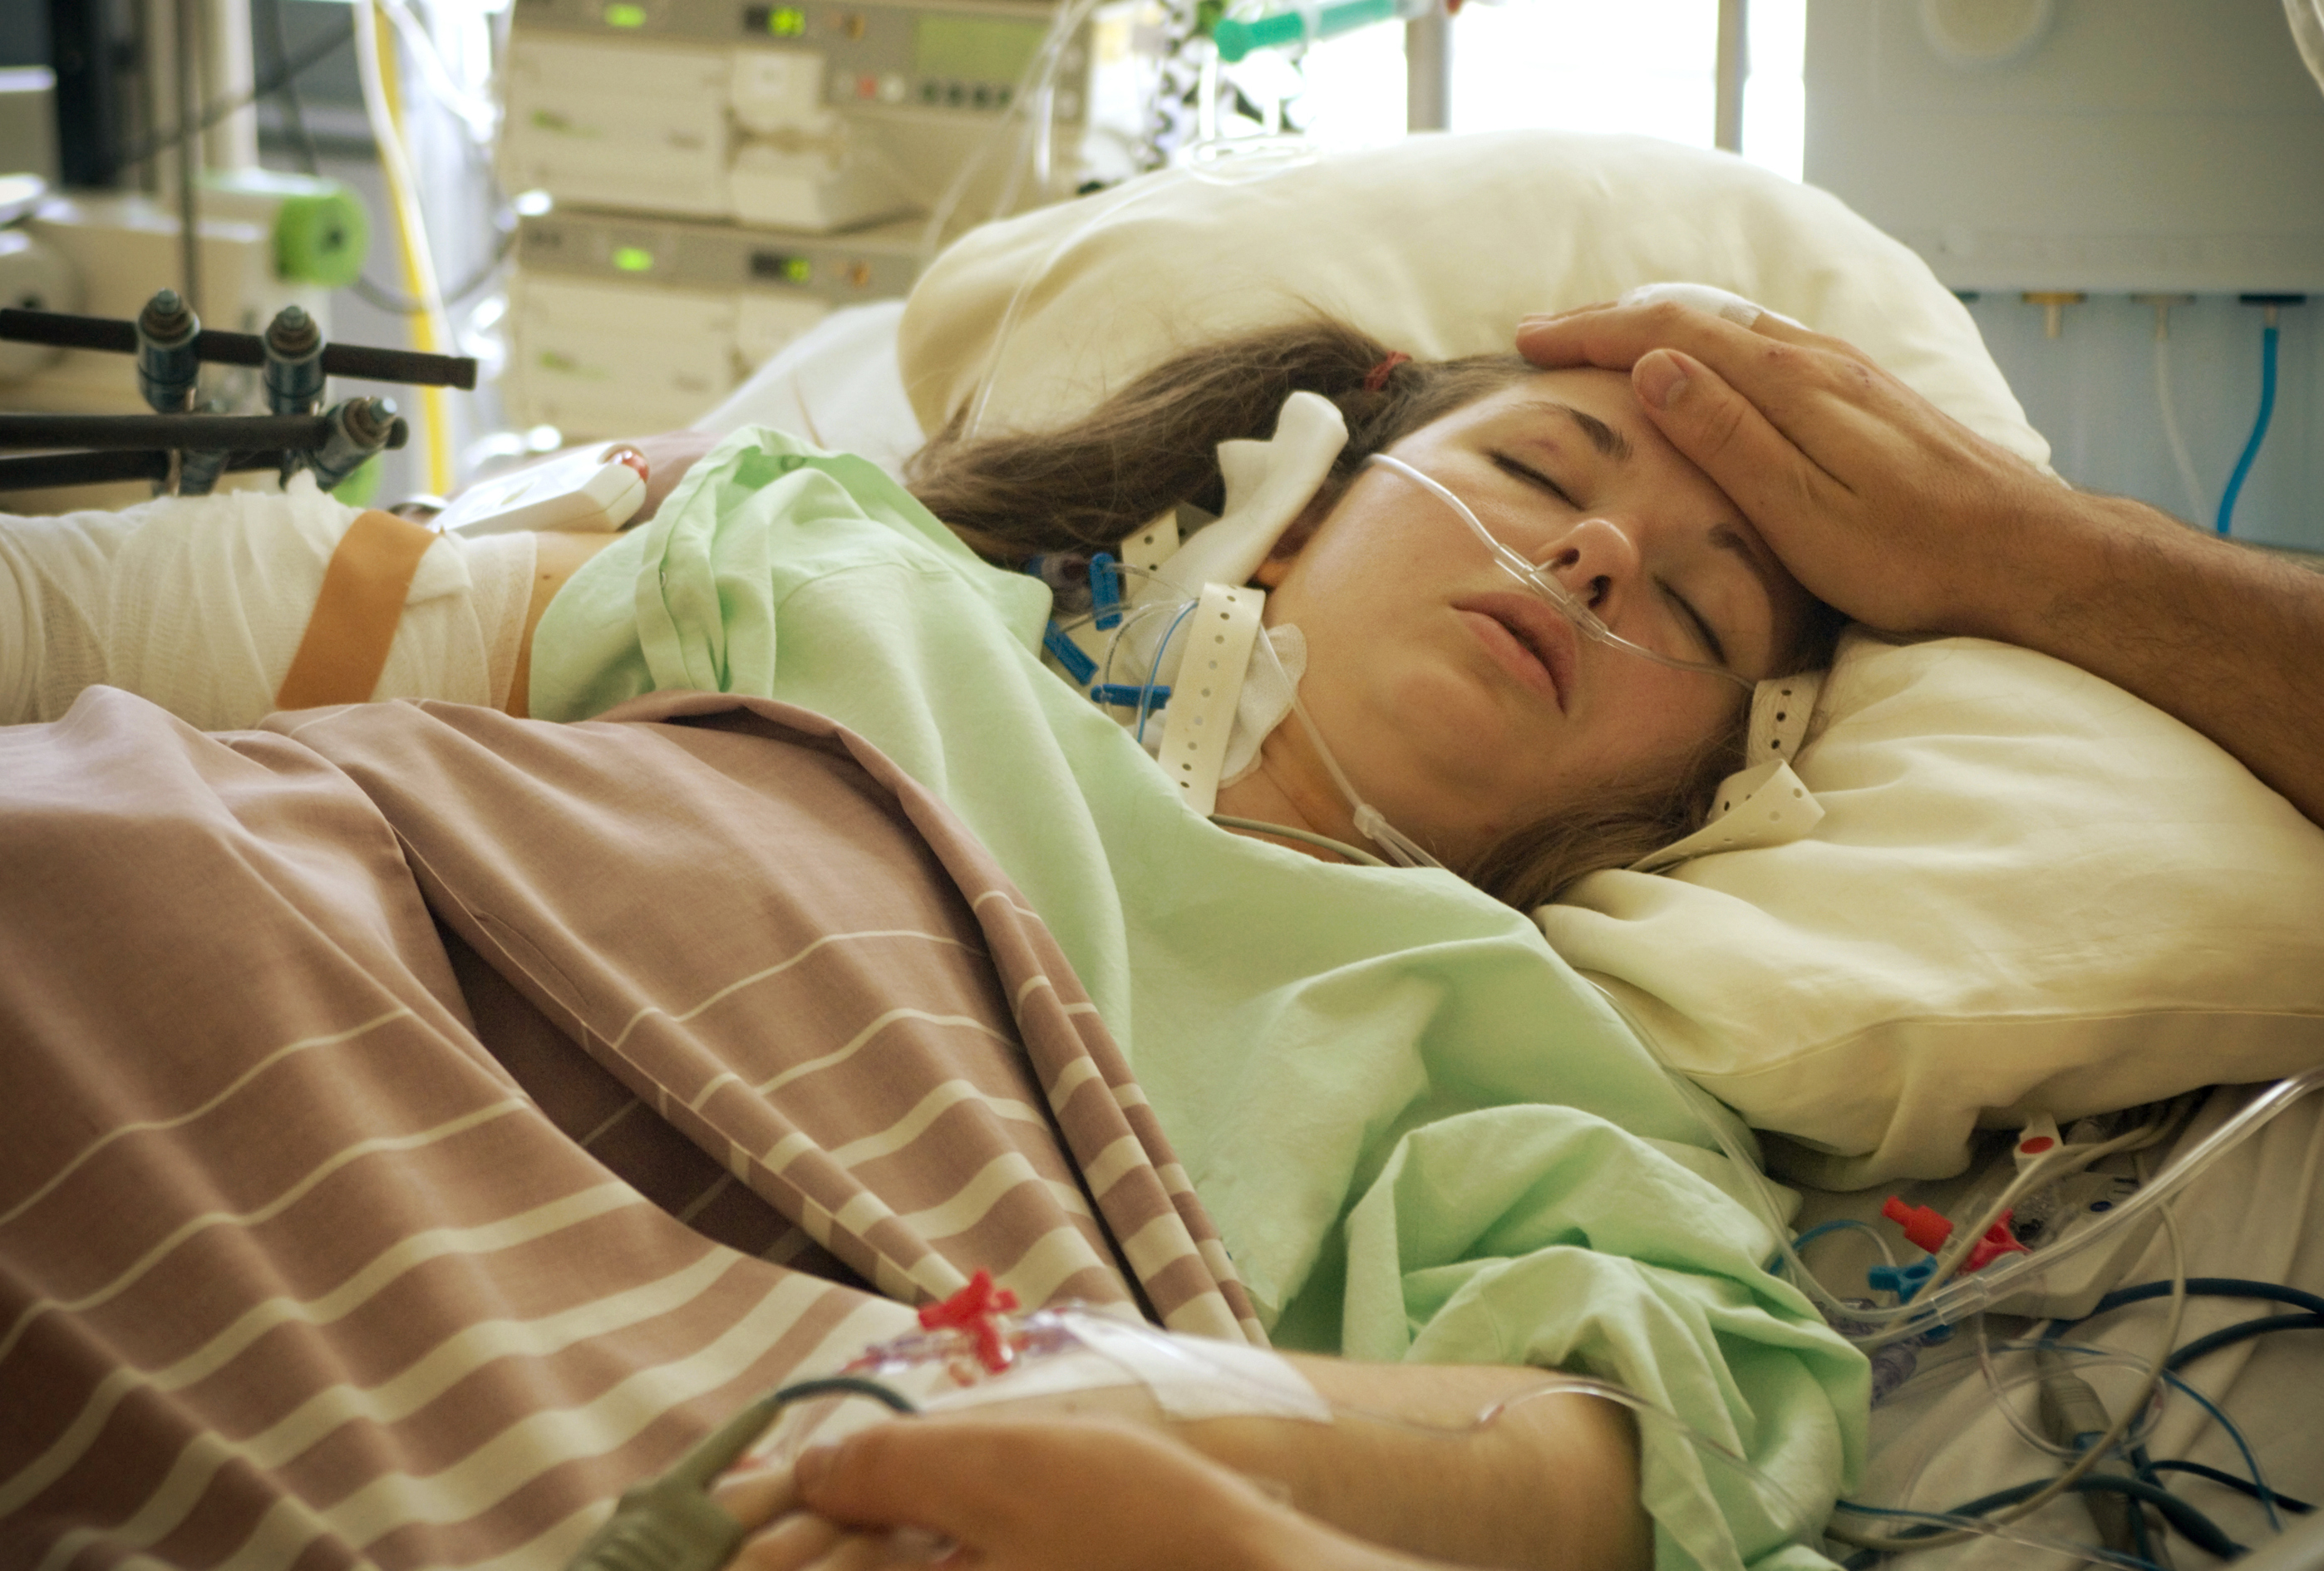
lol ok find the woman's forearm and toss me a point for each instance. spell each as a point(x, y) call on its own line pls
point(1551, 1479)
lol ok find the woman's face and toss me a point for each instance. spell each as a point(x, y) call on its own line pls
point(1460, 703)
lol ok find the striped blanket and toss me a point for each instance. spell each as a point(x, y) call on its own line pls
point(419, 1125)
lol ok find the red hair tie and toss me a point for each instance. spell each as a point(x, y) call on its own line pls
point(1377, 378)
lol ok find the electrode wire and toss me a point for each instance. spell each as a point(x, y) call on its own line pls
point(2099, 1449)
point(2095, 1356)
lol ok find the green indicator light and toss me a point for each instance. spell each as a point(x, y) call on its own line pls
point(787, 22)
point(623, 14)
point(797, 270)
point(632, 259)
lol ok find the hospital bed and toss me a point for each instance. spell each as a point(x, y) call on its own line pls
point(2055, 941)
point(1809, 985)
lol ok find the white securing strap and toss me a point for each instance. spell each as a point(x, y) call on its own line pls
point(1780, 710)
point(1204, 688)
point(1150, 547)
point(1766, 805)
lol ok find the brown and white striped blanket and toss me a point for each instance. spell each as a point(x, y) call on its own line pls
point(416, 1124)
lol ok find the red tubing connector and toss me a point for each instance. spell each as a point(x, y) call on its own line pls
point(976, 1309)
point(1924, 1228)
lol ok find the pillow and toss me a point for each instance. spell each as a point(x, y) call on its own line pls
point(2029, 891)
point(1437, 246)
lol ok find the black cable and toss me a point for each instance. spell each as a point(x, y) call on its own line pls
point(2201, 1288)
point(2242, 1331)
point(2241, 1485)
point(181, 133)
point(2199, 1529)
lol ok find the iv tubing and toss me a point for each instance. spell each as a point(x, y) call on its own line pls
point(2096, 1452)
point(2267, 340)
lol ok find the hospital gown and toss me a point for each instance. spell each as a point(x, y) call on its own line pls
point(1421, 1134)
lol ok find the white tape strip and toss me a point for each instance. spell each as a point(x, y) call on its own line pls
point(1204, 688)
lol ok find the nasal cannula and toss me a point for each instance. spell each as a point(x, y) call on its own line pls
point(1585, 621)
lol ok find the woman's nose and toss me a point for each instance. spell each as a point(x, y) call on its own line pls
point(1597, 561)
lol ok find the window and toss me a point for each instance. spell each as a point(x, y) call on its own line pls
point(1644, 66)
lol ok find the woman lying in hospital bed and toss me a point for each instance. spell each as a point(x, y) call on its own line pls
point(941, 688)
point(1456, 699)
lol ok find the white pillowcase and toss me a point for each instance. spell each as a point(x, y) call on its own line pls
point(2030, 892)
point(1437, 246)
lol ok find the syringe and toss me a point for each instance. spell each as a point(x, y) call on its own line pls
point(1237, 36)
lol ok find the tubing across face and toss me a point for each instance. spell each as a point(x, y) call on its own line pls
point(1585, 621)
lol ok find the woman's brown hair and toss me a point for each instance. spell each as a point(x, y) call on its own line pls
point(1153, 447)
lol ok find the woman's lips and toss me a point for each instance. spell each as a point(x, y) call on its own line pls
point(1527, 639)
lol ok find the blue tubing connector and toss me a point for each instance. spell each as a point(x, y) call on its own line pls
point(2259, 427)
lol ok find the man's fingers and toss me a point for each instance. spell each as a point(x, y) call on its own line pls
point(1776, 363)
point(1726, 437)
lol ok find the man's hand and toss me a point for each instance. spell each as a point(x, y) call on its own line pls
point(1902, 517)
point(1879, 501)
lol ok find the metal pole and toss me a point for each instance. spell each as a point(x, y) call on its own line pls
point(189, 151)
point(1734, 68)
point(1428, 71)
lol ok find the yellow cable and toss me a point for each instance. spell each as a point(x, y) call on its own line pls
point(427, 333)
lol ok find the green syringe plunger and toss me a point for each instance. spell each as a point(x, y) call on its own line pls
point(1237, 36)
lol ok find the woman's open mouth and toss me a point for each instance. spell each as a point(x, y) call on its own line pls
point(1525, 638)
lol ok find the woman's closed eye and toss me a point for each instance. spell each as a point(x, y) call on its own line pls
point(1700, 625)
point(1535, 478)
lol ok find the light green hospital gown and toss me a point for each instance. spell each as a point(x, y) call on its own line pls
point(1422, 1135)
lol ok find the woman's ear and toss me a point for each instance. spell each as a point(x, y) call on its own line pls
point(1270, 573)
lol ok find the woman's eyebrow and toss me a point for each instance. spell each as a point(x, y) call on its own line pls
point(1610, 442)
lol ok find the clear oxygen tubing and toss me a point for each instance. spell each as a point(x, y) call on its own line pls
point(2267, 341)
point(1032, 100)
point(1397, 847)
point(1585, 621)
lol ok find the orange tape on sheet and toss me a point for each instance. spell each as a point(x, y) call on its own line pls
point(353, 625)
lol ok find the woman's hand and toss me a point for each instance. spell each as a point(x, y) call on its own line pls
point(1409, 1473)
point(1066, 1494)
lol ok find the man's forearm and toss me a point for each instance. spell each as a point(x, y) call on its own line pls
point(2224, 637)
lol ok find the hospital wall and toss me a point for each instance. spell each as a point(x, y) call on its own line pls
point(2114, 149)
